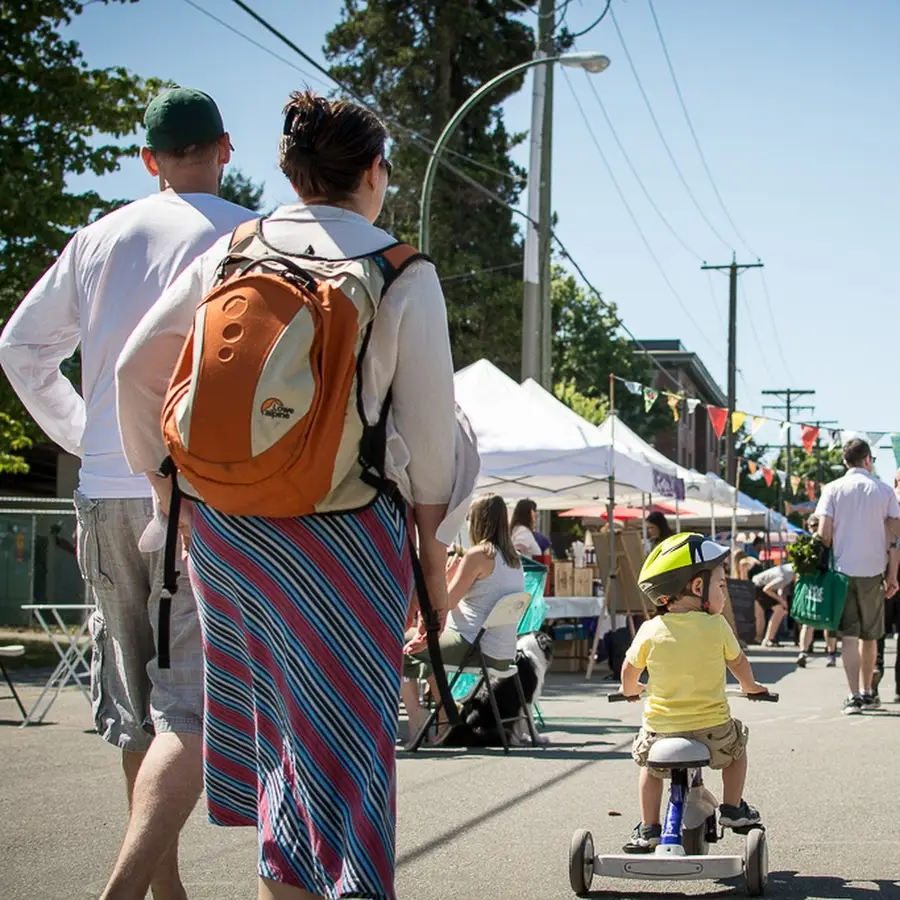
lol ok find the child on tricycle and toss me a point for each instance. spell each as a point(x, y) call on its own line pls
point(685, 649)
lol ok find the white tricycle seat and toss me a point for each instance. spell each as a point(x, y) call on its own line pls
point(678, 753)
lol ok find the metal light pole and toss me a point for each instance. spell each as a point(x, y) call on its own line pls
point(531, 314)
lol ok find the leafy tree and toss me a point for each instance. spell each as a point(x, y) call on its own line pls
point(13, 440)
point(592, 409)
point(587, 348)
point(239, 188)
point(58, 118)
point(418, 61)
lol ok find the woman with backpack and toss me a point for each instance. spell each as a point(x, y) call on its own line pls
point(312, 400)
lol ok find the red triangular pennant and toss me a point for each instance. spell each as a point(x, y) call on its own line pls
point(810, 433)
point(718, 417)
point(769, 475)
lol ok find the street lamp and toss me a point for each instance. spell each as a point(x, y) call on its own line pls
point(590, 61)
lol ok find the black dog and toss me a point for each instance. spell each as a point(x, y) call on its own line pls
point(534, 653)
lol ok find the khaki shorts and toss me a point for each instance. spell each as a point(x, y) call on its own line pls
point(864, 612)
point(727, 743)
point(133, 698)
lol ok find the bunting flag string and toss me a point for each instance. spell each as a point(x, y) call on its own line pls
point(895, 444)
point(674, 401)
point(810, 435)
point(717, 417)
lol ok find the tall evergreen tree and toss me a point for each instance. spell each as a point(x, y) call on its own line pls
point(419, 61)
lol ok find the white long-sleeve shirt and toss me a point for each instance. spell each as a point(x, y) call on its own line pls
point(105, 280)
point(409, 349)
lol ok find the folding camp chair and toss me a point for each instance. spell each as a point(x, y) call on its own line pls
point(508, 611)
point(8, 652)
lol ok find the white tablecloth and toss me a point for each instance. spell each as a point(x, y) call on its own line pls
point(573, 607)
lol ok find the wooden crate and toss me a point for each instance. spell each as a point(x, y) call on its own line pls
point(563, 577)
point(570, 656)
point(583, 582)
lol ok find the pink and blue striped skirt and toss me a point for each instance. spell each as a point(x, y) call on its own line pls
point(303, 623)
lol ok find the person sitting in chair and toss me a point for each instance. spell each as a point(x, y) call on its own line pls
point(476, 582)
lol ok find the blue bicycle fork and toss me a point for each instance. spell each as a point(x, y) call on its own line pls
point(675, 810)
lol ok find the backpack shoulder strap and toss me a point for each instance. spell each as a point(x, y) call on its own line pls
point(244, 233)
point(394, 260)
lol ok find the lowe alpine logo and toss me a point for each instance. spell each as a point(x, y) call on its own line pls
point(275, 409)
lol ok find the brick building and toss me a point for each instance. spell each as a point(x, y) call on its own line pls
point(693, 445)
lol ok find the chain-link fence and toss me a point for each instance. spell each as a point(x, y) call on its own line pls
point(37, 556)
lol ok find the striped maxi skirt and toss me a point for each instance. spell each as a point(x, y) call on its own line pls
point(303, 624)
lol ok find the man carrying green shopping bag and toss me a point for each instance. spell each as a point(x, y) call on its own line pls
point(858, 516)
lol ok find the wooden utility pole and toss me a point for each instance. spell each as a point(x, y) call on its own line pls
point(733, 271)
point(789, 394)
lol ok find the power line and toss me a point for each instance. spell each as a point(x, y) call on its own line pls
point(634, 219)
point(473, 273)
point(637, 177)
point(486, 191)
point(774, 322)
point(416, 136)
point(662, 137)
point(750, 319)
point(690, 125)
point(250, 40)
point(594, 24)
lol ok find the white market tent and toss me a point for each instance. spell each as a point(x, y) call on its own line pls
point(533, 449)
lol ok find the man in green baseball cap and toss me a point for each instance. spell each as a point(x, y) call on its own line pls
point(185, 131)
point(107, 278)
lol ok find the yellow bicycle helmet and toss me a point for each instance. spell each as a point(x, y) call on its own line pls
point(672, 565)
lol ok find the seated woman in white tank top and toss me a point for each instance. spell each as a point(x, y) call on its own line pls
point(476, 582)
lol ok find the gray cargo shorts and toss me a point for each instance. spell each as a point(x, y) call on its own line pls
point(133, 699)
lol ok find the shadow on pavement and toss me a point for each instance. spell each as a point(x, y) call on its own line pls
point(581, 751)
point(793, 886)
point(528, 793)
point(781, 886)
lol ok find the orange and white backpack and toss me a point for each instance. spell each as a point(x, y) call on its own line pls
point(264, 413)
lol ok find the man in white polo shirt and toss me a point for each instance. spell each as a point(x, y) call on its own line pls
point(858, 516)
point(104, 281)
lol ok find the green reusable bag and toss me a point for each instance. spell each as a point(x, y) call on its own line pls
point(819, 598)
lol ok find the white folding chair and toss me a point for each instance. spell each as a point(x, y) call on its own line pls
point(506, 613)
point(11, 651)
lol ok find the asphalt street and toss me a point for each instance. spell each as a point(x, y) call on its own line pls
point(481, 825)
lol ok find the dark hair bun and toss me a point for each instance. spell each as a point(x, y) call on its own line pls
point(327, 145)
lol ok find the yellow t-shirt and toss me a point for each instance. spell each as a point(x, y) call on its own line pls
point(684, 654)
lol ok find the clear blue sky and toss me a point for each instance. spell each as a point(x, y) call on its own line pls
point(794, 105)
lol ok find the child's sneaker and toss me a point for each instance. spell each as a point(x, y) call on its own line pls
point(853, 705)
point(801, 661)
point(738, 816)
point(832, 661)
point(644, 839)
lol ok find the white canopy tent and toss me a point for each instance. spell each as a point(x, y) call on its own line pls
point(531, 448)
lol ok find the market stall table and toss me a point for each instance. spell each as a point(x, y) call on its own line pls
point(73, 666)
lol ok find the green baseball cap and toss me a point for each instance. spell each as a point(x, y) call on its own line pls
point(181, 117)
